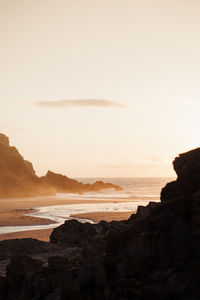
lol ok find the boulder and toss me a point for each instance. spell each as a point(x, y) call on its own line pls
point(154, 255)
point(187, 167)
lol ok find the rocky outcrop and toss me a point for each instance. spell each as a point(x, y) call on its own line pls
point(187, 167)
point(90, 237)
point(75, 234)
point(99, 185)
point(18, 178)
point(63, 184)
point(153, 255)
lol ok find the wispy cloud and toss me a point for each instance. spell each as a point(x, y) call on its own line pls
point(79, 103)
point(154, 158)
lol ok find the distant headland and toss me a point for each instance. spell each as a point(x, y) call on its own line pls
point(18, 177)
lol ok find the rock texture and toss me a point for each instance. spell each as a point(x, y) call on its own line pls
point(187, 167)
point(60, 183)
point(154, 255)
point(18, 178)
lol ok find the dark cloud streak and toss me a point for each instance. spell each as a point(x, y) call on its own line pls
point(79, 103)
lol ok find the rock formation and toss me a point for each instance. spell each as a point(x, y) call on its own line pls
point(62, 184)
point(153, 255)
point(18, 178)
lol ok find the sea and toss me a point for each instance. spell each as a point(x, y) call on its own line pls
point(135, 192)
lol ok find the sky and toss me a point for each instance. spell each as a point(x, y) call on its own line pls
point(100, 88)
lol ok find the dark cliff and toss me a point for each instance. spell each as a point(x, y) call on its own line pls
point(18, 178)
point(155, 255)
point(187, 167)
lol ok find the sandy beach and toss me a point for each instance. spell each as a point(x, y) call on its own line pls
point(13, 210)
point(106, 216)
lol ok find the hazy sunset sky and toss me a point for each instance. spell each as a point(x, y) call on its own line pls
point(105, 88)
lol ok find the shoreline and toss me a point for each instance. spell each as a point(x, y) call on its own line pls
point(44, 234)
point(13, 212)
point(104, 216)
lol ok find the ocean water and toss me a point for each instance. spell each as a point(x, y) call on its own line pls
point(136, 191)
point(147, 189)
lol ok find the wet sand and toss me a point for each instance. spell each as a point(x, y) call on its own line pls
point(12, 214)
point(44, 234)
point(106, 216)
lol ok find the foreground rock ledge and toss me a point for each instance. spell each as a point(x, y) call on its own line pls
point(153, 255)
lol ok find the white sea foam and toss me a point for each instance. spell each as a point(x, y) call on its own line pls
point(60, 213)
point(97, 196)
point(136, 191)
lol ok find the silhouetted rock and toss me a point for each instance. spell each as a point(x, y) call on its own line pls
point(154, 255)
point(18, 178)
point(91, 238)
point(63, 184)
point(9, 248)
point(75, 234)
point(99, 185)
point(187, 167)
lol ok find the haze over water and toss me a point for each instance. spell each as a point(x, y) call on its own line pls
point(136, 191)
point(133, 188)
